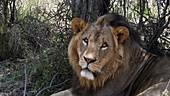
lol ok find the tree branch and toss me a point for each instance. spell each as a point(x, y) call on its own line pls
point(25, 84)
point(51, 87)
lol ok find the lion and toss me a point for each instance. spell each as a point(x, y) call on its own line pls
point(108, 60)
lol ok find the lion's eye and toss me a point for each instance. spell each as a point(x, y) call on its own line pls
point(85, 41)
point(104, 46)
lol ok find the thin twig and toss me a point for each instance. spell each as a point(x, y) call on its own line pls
point(51, 87)
point(166, 92)
point(165, 39)
point(53, 79)
point(168, 84)
point(25, 85)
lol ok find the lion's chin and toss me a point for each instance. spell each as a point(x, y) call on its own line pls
point(87, 74)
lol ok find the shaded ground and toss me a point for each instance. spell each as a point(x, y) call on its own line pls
point(39, 82)
point(9, 86)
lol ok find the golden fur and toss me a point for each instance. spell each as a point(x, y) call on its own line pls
point(106, 64)
point(108, 60)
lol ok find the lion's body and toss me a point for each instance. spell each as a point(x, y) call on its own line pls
point(108, 60)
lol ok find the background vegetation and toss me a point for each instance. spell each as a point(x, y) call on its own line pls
point(34, 35)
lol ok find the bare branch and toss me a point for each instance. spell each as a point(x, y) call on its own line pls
point(53, 79)
point(38, 94)
point(25, 84)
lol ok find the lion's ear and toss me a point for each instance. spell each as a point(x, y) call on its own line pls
point(77, 25)
point(122, 33)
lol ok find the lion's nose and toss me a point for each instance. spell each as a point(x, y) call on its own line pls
point(89, 60)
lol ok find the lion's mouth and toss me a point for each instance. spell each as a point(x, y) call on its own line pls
point(87, 74)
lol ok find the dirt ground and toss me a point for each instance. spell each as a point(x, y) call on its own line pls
point(9, 86)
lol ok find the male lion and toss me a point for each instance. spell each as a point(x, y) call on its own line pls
point(108, 60)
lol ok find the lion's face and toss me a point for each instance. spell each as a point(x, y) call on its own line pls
point(96, 51)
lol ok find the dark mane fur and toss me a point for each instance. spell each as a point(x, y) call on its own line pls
point(119, 20)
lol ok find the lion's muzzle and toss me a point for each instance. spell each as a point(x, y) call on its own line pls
point(87, 74)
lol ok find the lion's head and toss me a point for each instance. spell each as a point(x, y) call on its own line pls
point(96, 50)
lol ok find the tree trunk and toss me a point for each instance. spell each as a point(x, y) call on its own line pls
point(89, 10)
